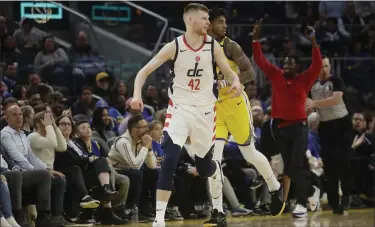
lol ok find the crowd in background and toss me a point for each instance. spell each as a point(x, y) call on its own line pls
point(62, 112)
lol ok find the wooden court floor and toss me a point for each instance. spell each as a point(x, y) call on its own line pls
point(353, 218)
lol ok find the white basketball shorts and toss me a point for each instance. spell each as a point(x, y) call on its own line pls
point(198, 122)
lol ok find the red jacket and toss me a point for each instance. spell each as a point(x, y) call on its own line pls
point(288, 95)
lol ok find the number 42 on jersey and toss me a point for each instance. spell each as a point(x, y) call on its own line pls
point(196, 72)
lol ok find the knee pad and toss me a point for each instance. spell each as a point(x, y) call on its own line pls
point(205, 166)
point(169, 165)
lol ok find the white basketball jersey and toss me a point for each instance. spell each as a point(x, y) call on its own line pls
point(194, 80)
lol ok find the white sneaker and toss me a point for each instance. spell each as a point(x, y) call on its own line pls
point(158, 224)
point(314, 200)
point(300, 211)
point(216, 184)
point(12, 222)
point(4, 223)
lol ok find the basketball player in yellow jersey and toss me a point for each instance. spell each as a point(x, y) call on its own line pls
point(233, 115)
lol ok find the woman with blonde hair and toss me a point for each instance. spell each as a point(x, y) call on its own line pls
point(28, 116)
point(47, 138)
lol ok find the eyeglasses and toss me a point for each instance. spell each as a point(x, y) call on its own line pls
point(65, 124)
point(142, 126)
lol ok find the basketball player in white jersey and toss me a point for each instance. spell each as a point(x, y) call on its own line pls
point(193, 93)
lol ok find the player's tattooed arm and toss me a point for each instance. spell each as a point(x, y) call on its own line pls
point(246, 69)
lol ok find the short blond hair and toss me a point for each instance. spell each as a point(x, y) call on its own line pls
point(153, 123)
point(195, 7)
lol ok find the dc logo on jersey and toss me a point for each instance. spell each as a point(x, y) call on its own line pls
point(195, 72)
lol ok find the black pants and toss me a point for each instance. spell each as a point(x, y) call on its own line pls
point(335, 146)
point(100, 165)
point(76, 189)
point(75, 180)
point(292, 142)
point(150, 178)
point(30, 187)
point(191, 190)
point(135, 189)
point(359, 166)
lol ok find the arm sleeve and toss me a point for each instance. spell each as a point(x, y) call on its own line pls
point(151, 160)
point(338, 84)
point(37, 141)
point(311, 74)
point(13, 152)
point(61, 142)
point(124, 147)
point(268, 69)
point(35, 161)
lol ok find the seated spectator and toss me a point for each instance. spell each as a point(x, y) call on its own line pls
point(101, 88)
point(85, 104)
point(19, 92)
point(330, 38)
point(51, 59)
point(6, 215)
point(34, 80)
point(5, 105)
point(44, 141)
point(65, 162)
point(122, 89)
point(22, 185)
point(33, 96)
point(27, 38)
point(28, 119)
point(137, 144)
point(349, 24)
point(102, 124)
point(98, 171)
point(130, 152)
point(361, 157)
point(152, 97)
point(117, 107)
point(9, 51)
point(18, 148)
point(84, 58)
point(10, 73)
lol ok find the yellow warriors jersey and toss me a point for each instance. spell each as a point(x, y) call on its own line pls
point(223, 92)
point(233, 114)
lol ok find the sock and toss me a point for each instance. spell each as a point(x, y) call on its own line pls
point(252, 155)
point(273, 184)
point(85, 197)
point(218, 150)
point(12, 222)
point(161, 207)
point(216, 191)
point(217, 203)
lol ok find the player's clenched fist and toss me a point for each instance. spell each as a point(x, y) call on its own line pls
point(136, 104)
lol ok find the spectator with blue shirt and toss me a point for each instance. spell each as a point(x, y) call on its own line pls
point(17, 148)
